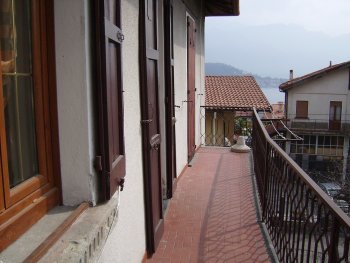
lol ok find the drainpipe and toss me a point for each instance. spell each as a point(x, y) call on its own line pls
point(345, 157)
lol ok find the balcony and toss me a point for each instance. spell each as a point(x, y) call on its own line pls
point(213, 214)
point(217, 216)
point(317, 123)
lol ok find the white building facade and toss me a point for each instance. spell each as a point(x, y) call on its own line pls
point(318, 110)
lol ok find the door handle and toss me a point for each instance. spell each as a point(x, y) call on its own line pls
point(121, 184)
point(146, 121)
point(155, 142)
point(155, 147)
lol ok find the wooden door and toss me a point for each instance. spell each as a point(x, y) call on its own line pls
point(151, 137)
point(111, 162)
point(191, 56)
point(169, 96)
point(335, 109)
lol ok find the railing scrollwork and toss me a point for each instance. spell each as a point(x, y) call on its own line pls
point(304, 224)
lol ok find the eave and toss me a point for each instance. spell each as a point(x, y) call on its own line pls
point(222, 8)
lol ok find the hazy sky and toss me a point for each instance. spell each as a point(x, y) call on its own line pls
point(272, 36)
point(328, 16)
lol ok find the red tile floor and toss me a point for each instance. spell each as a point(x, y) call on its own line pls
point(212, 216)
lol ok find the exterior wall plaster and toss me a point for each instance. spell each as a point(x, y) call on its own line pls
point(319, 93)
point(74, 85)
point(181, 11)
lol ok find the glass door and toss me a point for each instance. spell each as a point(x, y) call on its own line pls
point(335, 115)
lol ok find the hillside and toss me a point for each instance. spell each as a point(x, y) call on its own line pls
point(220, 69)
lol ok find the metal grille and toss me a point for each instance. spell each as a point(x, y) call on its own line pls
point(304, 224)
point(222, 127)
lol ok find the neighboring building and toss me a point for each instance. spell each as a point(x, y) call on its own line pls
point(83, 86)
point(229, 101)
point(318, 110)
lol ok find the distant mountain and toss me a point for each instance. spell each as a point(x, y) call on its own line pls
point(221, 69)
point(268, 85)
point(272, 50)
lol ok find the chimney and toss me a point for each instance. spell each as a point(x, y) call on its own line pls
point(290, 74)
point(330, 63)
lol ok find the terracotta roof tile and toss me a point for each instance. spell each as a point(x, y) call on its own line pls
point(298, 81)
point(234, 91)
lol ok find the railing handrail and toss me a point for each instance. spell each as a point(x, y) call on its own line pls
point(308, 119)
point(314, 119)
point(304, 176)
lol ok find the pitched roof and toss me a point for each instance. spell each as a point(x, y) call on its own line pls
point(317, 74)
point(234, 92)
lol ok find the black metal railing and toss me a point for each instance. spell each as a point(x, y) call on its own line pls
point(304, 224)
point(319, 122)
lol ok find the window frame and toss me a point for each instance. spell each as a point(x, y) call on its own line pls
point(31, 199)
point(15, 194)
point(300, 112)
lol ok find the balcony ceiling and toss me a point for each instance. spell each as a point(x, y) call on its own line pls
point(221, 7)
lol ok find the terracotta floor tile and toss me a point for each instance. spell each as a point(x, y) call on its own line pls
point(212, 216)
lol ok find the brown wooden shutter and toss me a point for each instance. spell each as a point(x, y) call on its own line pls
point(191, 103)
point(335, 110)
point(169, 95)
point(109, 38)
point(302, 109)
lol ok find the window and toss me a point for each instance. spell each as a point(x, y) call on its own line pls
point(330, 145)
point(26, 102)
point(326, 145)
point(306, 146)
point(302, 109)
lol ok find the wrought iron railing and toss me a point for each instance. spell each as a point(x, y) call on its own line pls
point(319, 122)
point(304, 224)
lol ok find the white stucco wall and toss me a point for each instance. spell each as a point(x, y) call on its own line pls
point(126, 243)
point(181, 11)
point(180, 83)
point(75, 118)
point(319, 93)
